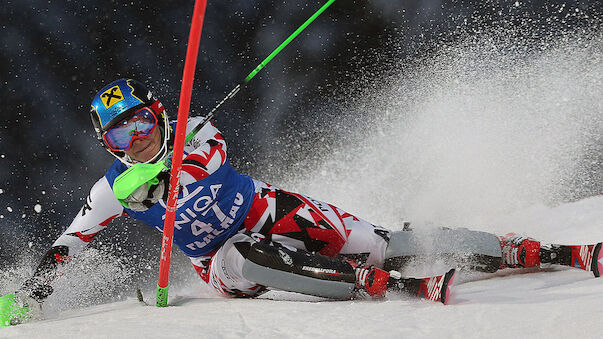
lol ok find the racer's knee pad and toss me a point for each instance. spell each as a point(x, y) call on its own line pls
point(461, 248)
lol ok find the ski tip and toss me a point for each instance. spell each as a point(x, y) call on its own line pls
point(447, 286)
point(597, 262)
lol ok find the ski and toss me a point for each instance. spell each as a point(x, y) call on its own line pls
point(586, 257)
point(437, 288)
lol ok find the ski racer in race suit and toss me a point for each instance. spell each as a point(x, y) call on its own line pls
point(234, 227)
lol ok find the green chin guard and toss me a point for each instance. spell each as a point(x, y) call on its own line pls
point(134, 177)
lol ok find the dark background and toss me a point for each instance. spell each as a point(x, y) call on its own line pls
point(56, 54)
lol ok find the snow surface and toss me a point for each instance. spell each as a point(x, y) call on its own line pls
point(553, 302)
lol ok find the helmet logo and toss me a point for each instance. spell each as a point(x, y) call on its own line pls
point(110, 94)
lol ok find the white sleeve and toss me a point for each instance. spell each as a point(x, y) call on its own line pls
point(100, 208)
point(204, 154)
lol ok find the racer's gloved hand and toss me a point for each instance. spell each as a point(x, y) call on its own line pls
point(18, 307)
point(147, 195)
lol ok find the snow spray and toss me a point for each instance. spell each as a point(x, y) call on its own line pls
point(464, 136)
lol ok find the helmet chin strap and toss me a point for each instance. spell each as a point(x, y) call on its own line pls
point(163, 151)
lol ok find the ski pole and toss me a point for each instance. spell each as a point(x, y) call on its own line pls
point(183, 109)
point(258, 68)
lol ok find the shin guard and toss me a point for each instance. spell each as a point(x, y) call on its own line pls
point(298, 271)
point(461, 248)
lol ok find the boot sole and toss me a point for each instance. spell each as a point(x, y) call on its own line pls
point(447, 286)
point(596, 265)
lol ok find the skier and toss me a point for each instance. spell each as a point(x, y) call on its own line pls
point(244, 236)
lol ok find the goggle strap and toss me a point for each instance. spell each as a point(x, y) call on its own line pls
point(157, 108)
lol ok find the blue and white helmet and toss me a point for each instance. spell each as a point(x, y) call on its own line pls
point(117, 101)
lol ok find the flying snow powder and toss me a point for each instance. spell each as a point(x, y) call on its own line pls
point(38, 208)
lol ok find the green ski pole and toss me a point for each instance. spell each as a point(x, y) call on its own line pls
point(256, 70)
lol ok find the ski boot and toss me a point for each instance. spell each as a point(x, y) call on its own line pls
point(376, 282)
point(518, 251)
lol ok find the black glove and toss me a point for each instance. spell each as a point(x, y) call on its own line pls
point(36, 288)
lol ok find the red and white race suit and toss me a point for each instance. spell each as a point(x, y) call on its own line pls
point(289, 218)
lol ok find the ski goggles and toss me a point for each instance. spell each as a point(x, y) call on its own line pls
point(137, 126)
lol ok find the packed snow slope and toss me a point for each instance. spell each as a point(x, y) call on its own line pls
point(500, 132)
point(554, 302)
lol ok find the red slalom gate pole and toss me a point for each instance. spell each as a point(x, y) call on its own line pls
point(183, 109)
